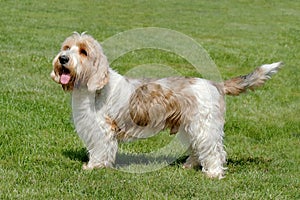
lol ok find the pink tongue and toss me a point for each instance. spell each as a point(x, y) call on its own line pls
point(65, 78)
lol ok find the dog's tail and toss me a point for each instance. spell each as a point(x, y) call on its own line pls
point(257, 78)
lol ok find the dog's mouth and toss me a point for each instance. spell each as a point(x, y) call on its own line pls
point(65, 76)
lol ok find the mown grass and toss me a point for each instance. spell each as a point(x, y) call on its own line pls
point(41, 155)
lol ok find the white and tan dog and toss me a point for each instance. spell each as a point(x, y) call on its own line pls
point(108, 108)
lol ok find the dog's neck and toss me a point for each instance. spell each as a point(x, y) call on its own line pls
point(105, 102)
point(81, 96)
point(115, 94)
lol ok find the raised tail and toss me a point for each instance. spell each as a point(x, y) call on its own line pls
point(257, 78)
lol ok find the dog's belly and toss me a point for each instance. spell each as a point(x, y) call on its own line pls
point(127, 130)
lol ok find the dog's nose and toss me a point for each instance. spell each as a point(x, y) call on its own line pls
point(63, 59)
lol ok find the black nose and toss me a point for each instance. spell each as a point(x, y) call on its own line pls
point(63, 59)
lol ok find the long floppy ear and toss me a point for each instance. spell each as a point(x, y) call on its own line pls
point(99, 77)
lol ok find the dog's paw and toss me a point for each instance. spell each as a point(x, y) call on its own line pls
point(214, 176)
point(187, 166)
point(190, 164)
point(85, 166)
point(91, 166)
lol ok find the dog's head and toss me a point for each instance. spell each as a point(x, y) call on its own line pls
point(80, 63)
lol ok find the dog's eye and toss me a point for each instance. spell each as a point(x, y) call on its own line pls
point(66, 48)
point(83, 52)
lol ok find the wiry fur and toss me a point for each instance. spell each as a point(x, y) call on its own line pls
point(108, 107)
point(257, 78)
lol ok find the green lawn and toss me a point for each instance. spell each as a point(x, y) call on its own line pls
point(40, 153)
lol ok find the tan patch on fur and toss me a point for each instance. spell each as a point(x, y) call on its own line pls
point(113, 124)
point(122, 136)
point(119, 134)
point(146, 98)
point(170, 105)
point(233, 86)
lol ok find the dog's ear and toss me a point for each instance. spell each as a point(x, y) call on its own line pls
point(99, 77)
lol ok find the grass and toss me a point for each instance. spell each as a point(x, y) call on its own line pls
point(40, 153)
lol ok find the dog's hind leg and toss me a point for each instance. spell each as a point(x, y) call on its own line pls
point(207, 146)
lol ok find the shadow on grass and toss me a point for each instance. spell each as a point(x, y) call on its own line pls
point(76, 154)
point(128, 159)
point(237, 164)
point(123, 160)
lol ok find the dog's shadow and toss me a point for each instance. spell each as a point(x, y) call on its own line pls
point(145, 159)
point(76, 154)
point(125, 160)
point(247, 161)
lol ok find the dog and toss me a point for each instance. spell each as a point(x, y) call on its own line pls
point(109, 108)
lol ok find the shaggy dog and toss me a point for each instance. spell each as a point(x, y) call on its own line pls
point(108, 107)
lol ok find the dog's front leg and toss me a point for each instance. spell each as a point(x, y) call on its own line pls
point(102, 152)
point(94, 131)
